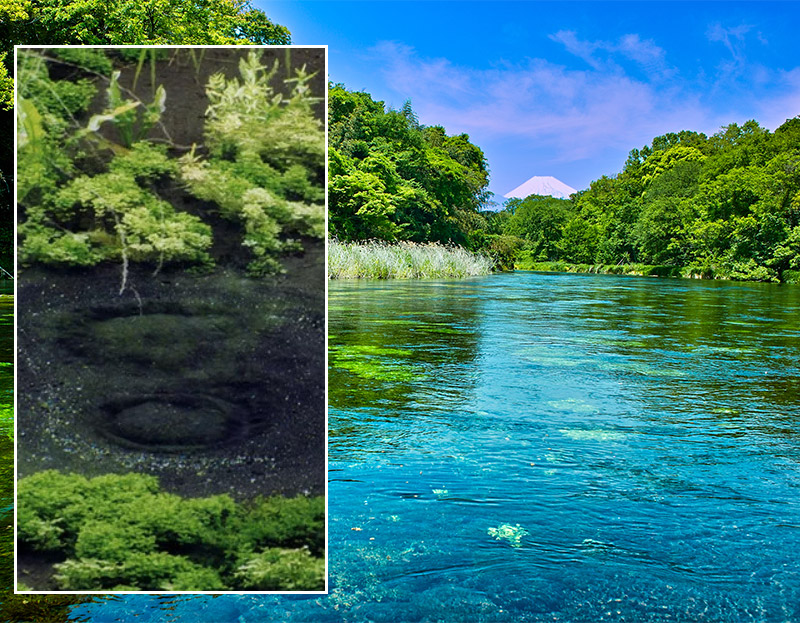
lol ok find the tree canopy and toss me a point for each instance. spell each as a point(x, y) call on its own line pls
point(726, 205)
point(126, 22)
point(97, 22)
point(391, 178)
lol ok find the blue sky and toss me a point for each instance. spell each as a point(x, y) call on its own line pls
point(561, 88)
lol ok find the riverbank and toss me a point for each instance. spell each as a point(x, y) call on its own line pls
point(650, 270)
point(403, 260)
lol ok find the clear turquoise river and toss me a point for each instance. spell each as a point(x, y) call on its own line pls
point(537, 447)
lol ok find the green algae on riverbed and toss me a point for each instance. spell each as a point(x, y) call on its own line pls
point(122, 532)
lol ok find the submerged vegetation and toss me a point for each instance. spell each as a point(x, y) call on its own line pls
point(404, 260)
point(121, 532)
point(123, 22)
point(120, 23)
point(114, 186)
point(510, 534)
point(173, 160)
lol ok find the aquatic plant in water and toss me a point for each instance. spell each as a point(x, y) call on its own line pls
point(511, 534)
point(122, 532)
point(85, 199)
point(375, 362)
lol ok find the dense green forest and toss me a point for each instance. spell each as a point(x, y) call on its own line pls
point(392, 179)
point(725, 206)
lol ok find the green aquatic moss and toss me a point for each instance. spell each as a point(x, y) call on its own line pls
point(122, 532)
point(389, 373)
point(375, 363)
point(276, 569)
point(87, 199)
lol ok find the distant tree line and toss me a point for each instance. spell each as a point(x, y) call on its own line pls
point(721, 206)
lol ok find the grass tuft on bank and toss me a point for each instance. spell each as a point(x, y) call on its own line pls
point(403, 260)
point(650, 270)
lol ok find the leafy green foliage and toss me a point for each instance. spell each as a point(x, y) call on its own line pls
point(392, 179)
point(125, 22)
point(727, 206)
point(88, 199)
point(132, 118)
point(294, 522)
point(281, 569)
point(539, 221)
point(121, 532)
point(266, 163)
point(6, 85)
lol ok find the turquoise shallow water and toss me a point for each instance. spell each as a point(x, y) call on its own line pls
point(529, 447)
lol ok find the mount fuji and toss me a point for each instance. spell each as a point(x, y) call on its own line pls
point(541, 185)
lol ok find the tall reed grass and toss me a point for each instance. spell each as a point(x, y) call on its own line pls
point(403, 260)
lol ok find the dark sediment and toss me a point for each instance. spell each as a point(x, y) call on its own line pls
point(214, 383)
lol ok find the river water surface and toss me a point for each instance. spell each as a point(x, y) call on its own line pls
point(531, 447)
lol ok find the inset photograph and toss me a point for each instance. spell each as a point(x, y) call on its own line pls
point(171, 407)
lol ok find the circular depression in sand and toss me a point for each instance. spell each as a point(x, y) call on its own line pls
point(170, 422)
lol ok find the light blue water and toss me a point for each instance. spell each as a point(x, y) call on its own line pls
point(528, 447)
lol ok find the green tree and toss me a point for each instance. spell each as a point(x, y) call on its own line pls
point(392, 179)
point(123, 22)
point(725, 206)
point(540, 222)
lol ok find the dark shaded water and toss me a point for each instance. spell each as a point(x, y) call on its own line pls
point(530, 447)
point(213, 383)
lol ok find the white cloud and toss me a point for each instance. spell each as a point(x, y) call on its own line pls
point(574, 113)
point(732, 37)
point(607, 55)
point(651, 57)
point(581, 49)
point(579, 113)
